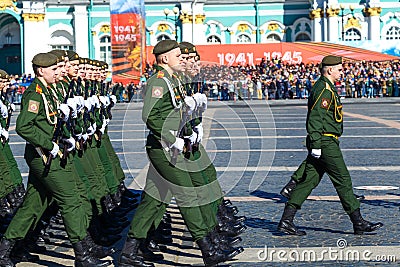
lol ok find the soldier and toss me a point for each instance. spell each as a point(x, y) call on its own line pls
point(162, 109)
point(46, 183)
point(324, 127)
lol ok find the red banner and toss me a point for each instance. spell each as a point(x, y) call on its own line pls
point(127, 41)
point(293, 53)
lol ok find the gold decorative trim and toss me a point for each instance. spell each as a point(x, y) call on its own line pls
point(332, 12)
point(151, 32)
point(273, 26)
point(316, 13)
point(33, 17)
point(105, 28)
point(186, 18)
point(253, 32)
point(8, 3)
point(199, 19)
point(352, 23)
point(162, 27)
point(243, 27)
point(372, 11)
point(261, 31)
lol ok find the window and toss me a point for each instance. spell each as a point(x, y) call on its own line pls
point(242, 38)
point(273, 38)
point(213, 39)
point(13, 59)
point(105, 49)
point(62, 47)
point(302, 37)
point(352, 35)
point(393, 33)
point(162, 37)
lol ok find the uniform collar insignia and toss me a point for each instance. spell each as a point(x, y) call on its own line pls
point(160, 74)
point(38, 89)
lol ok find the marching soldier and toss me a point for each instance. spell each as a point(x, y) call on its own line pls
point(324, 127)
point(163, 106)
point(48, 180)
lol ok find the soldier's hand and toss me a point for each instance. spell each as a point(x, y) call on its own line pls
point(193, 138)
point(316, 153)
point(71, 102)
point(191, 104)
point(200, 132)
point(3, 110)
point(64, 110)
point(80, 102)
point(55, 150)
point(113, 99)
point(70, 143)
point(179, 144)
point(12, 107)
point(4, 133)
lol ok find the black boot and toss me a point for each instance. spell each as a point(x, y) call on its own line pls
point(148, 254)
point(4, 207)
point(5, 250)
point(231, 230)
point(212, 255)
point(223, 243)
point(19, 253)
point(287, 189)
point(97, 250)
point(129, 255)
point(360, 225)
point(286, 224)
point(83, 258)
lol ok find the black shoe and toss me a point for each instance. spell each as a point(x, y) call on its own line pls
point(129, 255)
point(360, 225)
point(288, 188)
point(289, 228)
point(147, 254)
point(83, 257)
point(359, 197)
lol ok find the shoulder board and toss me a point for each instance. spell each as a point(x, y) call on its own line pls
point(160, 74)
point(38, 89)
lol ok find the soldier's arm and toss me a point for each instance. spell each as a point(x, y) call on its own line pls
point(317, 117)
point(156, 119)
point(32, 106)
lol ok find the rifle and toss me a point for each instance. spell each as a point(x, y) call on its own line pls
point(70, 123)
point(102, 115)
point(175, 151)
point(78, 93)
point(57, 132)
point(86, 115)
point(3, 139)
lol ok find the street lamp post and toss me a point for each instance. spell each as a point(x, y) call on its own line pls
point(342, 7)
point(175, 19)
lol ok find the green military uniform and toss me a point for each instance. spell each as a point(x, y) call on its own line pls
point(36, 123)
point(162, 111)
point(324, 127)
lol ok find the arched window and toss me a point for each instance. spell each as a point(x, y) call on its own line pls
point(61, 40)
point(393, 33)
point(213, 39)
point(105, 49)
point(273, 38)
point(302, 37)
point(243, 38)
point(162, 37)
point(352, 35)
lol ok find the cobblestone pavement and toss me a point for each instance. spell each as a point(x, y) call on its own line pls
point(255, 148)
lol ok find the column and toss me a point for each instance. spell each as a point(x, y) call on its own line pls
point(186, 20)
point(36, 33)
point(81, 30)
point(316, 22)
point(373, 15)
point(333, 25)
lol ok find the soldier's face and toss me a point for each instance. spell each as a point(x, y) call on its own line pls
point(48, 74)
point(175, 60)
point(337, 71)
point(73, 68)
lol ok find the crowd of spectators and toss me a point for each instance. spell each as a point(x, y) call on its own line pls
point(267, 80)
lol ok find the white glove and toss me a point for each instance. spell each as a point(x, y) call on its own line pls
point(316, 153)
point(103, 127)
point(80, 103)
point(113, 99)
point(103, 101)
point(3, 110)
point(191, 104)
point(197, 97)
point(12, 107)
point(71, 102)
point(90, 130)
point(179, 144)
point(193, 138)
point(200, 132)
point(55, 150)
point(78, 136)
point(85, 137)
point(204, 102)
point(95, 101)
point(70, 142)
point(94, 125)
point(64, 110)
point(106, 121)
point(4, 133)
point(88, 104)
point(107, 101)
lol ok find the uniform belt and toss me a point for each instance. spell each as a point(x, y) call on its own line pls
point(331, 135)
